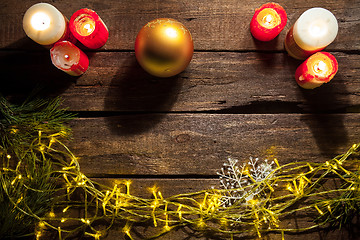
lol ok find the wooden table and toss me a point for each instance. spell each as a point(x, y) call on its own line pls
point(238, 97)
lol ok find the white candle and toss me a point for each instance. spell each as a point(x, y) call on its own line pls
point(315, 29)
point(44, 24)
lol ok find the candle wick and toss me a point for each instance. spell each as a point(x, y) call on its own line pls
point(87, 27)
point(321, 66)
point(268, 18)
point(67, 56)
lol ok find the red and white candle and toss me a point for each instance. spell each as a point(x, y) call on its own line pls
point(315, 29)
point(318, 69)
point(88, 28)
point(268, 21)
point(46, 25)
point(69, 58)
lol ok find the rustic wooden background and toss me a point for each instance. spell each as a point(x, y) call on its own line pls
point(237, 98)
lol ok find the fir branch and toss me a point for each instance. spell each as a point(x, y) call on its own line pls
point(26, 186)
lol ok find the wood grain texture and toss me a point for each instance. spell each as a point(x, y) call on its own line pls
point(198, 144)
point(238, 97)
point(228, 82)
point(214, 24)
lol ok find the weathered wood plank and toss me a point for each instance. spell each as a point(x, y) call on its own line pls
point(188, 234)
point(232, 82)
point(198, 144)
point(215, 24)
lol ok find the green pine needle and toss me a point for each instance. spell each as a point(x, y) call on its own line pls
point(19, 126)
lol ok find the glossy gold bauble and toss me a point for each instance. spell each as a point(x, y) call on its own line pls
point(164, 47)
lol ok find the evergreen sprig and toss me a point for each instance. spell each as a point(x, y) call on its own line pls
point(26, 186)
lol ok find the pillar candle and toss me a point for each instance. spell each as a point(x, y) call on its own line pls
point(44, 24)
point(89, 28)
point(69, 58)
point(319, 68)
point(268, 21)
point(315, 29)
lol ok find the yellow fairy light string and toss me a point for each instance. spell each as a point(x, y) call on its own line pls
point(166, 227)
point(153, 212)
point(38, 234)
point(86, 221)
point(310, 167)
point(277, 163)
point(13, 181)
point(68, 168)
point(224, 222)
point(289, 188)
point(65, 209)
point(41, 224)
point(51, 214)
point(306, 179)
point(178, 211)
point(319, 210)
point(126, 230)
point(256, 225)
point(39, 132)
point(128, 187)
point(296, 188)
point(97, 235)
point(160, 195)
point(201, 223)
point(329, 208)
point(14, 130)
point(41, 148)
point(153, 191)
point(105, 200)
point(59, 231)
point(269, 186)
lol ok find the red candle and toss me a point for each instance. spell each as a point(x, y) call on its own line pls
point(69, 58)
point(88, 28)
point(268, 21)
point(319, 68)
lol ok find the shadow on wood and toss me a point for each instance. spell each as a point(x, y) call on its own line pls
point(330, 133)
point(24, 72)
point(139, 92)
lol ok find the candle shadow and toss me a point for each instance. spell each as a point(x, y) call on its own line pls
point(141, 98)
point(28, 72)
point(265, 55)
point(24, 72)
point(25, 44)
point(266, 45)
point(323, 108)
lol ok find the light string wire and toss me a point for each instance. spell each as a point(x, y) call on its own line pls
point(79, 205)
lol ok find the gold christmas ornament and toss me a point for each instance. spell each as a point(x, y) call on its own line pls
point(164, 47)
